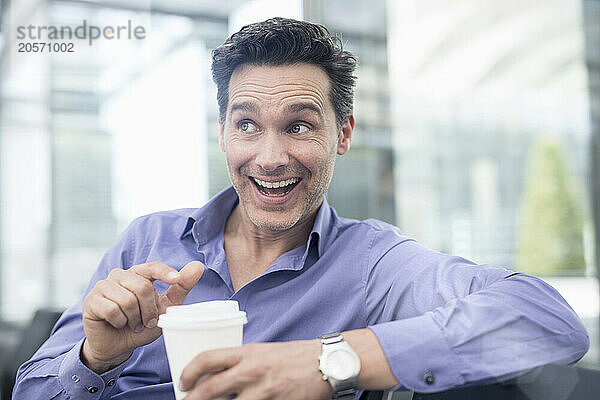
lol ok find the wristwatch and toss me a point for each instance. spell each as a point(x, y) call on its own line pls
point(339, 365)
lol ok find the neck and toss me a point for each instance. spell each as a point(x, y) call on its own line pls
point(263, 242)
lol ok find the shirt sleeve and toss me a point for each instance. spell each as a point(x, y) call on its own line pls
point(55, 371)
point(444, 321)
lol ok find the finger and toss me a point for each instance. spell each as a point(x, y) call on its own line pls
point(208, 361)
point(157, 270)
point(125, 299)
point(144, 291)
point(102, 309)
point(190, 275)
point(216, 386)
point(140, 309)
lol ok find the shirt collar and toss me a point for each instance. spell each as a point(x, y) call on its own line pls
point(207, 222)
point(323, 226)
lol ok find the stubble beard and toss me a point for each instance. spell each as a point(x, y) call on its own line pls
point(313, 196)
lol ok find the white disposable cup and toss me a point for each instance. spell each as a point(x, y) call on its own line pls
point(190, 329)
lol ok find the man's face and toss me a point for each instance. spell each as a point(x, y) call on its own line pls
point(280, 139)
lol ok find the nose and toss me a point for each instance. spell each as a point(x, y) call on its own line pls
point(272, 152)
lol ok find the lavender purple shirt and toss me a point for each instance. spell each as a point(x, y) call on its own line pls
point(435, 315)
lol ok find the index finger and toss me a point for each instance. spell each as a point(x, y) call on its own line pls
point(218, 385)
point(206, 362)
point(157, 270)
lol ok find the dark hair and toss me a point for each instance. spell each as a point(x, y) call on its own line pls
point(282, 41)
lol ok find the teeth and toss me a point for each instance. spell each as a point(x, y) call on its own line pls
point(274, 185)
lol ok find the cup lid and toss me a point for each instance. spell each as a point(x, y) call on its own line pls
point(205, 315)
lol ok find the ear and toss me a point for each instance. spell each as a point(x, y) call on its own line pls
point(345, 136)
point(221, 134)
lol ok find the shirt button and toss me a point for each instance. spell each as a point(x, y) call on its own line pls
point(429, 378)
point(92, 389)
point(75, 378)
point(110, 382)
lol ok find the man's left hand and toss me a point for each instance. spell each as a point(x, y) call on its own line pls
point(283, 370)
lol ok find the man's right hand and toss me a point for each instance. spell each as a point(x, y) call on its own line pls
point(120, 313)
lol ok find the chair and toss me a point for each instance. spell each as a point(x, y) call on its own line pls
point(33, 336)
point(371, 395)
point(550, 382)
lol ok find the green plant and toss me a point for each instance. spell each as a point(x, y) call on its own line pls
point(551, 228)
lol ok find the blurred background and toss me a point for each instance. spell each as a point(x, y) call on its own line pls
point(478, 132)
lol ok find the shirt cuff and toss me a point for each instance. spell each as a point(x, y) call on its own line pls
point(419, 355)
point(80, 382)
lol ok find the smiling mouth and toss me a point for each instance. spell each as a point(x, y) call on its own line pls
point(275, 189)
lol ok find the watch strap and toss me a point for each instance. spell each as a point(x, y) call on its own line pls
point(332, 338)
point(346, 394)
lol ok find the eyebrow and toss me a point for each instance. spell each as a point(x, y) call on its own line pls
point(244, 106)
point(299, 107)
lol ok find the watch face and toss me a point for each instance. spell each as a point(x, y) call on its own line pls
point(341, 364)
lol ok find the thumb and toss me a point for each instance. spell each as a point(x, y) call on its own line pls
point(175, 294)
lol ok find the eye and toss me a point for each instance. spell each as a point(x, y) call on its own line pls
point(298, 128)
point(247, 126)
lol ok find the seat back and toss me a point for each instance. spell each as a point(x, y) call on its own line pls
point(371, 395)
point(33, 336)
point(550, 382)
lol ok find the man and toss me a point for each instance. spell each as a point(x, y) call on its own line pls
point(414, 318)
